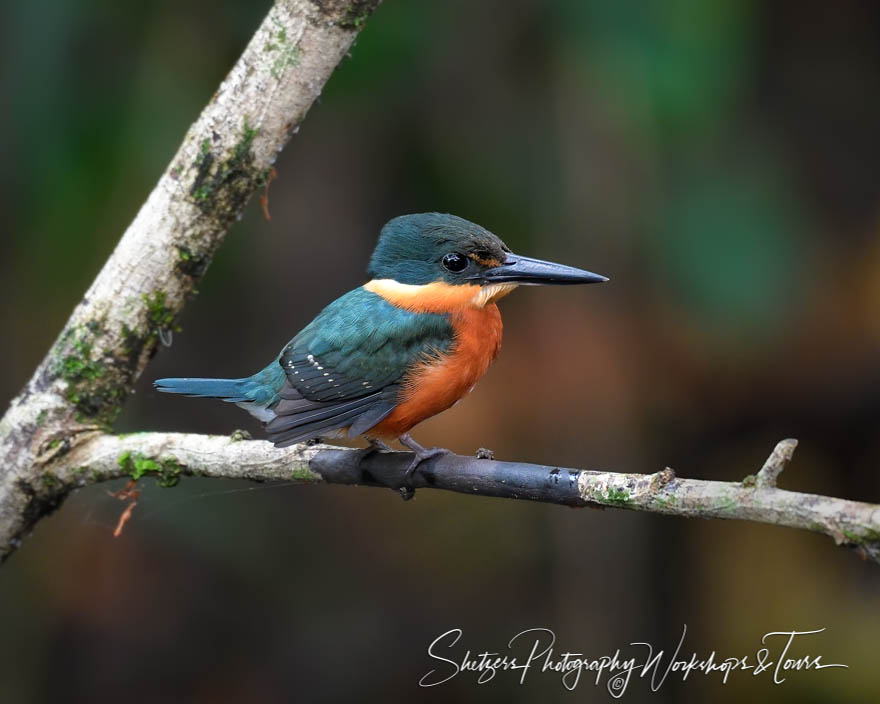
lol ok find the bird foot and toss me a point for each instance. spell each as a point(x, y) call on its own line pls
point(376, 445)
point(407, 491)
point(424, 453)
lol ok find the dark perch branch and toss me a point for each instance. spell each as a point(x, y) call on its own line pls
point(169, 455)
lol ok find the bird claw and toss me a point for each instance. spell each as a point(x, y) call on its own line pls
point(375, 446)
point(422, 454)
point(407, 491)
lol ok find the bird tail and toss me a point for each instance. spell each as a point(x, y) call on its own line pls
point(231, 390)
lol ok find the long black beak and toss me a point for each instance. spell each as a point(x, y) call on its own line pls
point(535, 272)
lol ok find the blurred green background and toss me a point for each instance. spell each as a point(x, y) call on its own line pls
point(716, 158)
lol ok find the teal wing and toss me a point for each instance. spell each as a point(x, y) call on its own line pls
point(344, 369)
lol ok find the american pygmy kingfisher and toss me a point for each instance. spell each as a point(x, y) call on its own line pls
point(403, 347)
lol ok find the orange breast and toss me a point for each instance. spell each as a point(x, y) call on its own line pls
point(432, 387)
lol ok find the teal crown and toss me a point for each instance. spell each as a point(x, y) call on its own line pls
point(419, 249)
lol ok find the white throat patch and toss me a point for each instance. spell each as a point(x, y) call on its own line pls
point(491, 293)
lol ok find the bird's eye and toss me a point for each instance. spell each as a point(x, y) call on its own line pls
point(454, 262)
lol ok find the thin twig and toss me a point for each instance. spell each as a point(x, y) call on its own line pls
point(781, 456)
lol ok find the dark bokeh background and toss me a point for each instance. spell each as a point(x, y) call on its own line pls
point(717, 159)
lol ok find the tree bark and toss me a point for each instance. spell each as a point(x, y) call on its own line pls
point(226, 155)
point(168, 456)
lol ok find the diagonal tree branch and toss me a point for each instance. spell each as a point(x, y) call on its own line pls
point(53, 438)
point(228, 152)
point(167, 456)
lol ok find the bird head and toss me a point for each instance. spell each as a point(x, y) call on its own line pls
point(427, 253)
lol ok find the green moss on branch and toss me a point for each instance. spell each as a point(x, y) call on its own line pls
point(223, 185)
point(167, 470)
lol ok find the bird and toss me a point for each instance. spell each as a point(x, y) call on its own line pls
point(403, 347)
